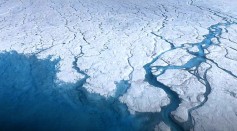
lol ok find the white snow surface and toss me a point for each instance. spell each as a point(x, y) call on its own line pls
point(113, 39)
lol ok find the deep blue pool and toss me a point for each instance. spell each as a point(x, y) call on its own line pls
point(31, 100)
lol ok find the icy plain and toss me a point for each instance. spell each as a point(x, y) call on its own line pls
point(173, 62)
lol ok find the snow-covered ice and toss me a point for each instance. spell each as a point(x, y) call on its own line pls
point(176, 58)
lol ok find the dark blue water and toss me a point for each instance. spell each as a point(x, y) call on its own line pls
point(31, 100)
point(173, 96)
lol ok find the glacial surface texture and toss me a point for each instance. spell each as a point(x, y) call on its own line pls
point(118, 65)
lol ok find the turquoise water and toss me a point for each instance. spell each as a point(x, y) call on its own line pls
point(192, 65)
point(31, 100)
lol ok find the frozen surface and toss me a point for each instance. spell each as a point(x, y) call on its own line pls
point(170, 61)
